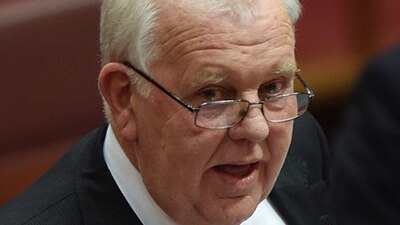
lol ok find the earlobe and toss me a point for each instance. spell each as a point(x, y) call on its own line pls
point(116, 88)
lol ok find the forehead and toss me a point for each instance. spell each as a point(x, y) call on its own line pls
point(183, 22)
point(187, 32)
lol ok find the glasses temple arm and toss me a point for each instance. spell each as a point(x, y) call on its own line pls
point(151, 80)
point(304, 83)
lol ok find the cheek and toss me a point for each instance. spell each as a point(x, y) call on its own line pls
point(178, 169)
point(173, 158)
point(280, 137)
point(278, 142)
point(188, 146)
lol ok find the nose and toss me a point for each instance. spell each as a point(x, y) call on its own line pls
point(254, 127)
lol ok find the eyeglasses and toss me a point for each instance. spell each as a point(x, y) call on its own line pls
point(223, 114)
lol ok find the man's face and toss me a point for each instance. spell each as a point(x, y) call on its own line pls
point(200, 176)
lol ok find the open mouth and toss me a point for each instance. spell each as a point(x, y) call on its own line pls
point(237, 171)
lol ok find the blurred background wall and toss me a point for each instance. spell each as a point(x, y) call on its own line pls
point(49, 62)
point(335, 38)
point(48, 93)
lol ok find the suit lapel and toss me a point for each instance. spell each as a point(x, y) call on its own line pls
point(299, 202)
point(100, 200)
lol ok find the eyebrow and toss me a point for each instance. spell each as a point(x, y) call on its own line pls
point(208, 77)
point(286, 68)
point(213, 78)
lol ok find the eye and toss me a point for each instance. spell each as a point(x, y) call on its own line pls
point(272, 88)
point(211, 94)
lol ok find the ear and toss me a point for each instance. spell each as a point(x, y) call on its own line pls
point(116, 88)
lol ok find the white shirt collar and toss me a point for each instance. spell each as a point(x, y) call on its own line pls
point(131, 185)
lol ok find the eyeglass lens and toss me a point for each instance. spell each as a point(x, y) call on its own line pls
point(224, 114)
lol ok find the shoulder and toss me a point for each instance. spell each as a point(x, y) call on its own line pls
point(387, 61)
point(52, 199)
point(308, 153)
point(380, 77)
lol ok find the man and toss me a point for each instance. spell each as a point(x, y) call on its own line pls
point(366, 156)
point(200, 99)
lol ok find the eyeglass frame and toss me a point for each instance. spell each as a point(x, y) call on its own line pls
point(195, 109)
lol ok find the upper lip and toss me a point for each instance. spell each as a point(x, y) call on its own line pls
point(240, 156)
point(240, 163)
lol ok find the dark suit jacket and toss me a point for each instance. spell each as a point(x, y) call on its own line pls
point(79, 189)
point(366, 172)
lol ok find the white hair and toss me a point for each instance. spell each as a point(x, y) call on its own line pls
point(243, 10)
point(126, 34)
point(127, 29)
point(293, 9)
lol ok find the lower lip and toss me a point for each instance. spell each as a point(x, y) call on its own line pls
point(241, 182)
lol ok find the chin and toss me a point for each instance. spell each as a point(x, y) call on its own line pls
point(233, 212)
